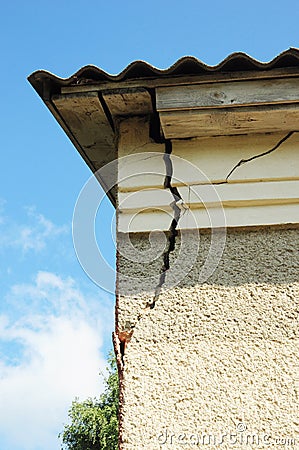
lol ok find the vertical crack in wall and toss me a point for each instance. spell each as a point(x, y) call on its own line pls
point(178, 207)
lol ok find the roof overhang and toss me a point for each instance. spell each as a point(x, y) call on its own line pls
point(190, 99)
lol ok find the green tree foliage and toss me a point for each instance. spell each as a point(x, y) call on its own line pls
point(94, 422)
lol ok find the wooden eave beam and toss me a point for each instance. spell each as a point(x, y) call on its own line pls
point(228, 94)
point(226, 122)
point(128, 102)
point(85, 121)
point(227, 108)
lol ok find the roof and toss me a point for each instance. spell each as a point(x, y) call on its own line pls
point(188, 65)
point(87, 103)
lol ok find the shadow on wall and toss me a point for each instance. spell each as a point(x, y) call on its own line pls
point(253, 292)
point(261, 256)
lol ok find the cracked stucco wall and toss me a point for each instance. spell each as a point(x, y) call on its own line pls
point(212, 355)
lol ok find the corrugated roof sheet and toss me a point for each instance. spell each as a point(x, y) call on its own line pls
point(187, 65)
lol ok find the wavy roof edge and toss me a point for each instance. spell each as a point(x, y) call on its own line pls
point(187, 65)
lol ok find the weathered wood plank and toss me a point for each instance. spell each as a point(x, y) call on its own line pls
point(234, 93)
point(136, 101)
point(86, 119)
point(217, 122)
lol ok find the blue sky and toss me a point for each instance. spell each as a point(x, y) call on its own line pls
point(55, 324)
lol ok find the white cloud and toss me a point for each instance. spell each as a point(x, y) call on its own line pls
point(33, 235)
point(61, 333)
point(2, 204)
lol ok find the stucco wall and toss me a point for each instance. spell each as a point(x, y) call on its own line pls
point(217, 357)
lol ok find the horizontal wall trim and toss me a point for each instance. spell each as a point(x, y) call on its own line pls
point(201, 196)
point(250, 216)
point(124, 190)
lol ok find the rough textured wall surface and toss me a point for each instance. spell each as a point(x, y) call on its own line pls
point(213, 364)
